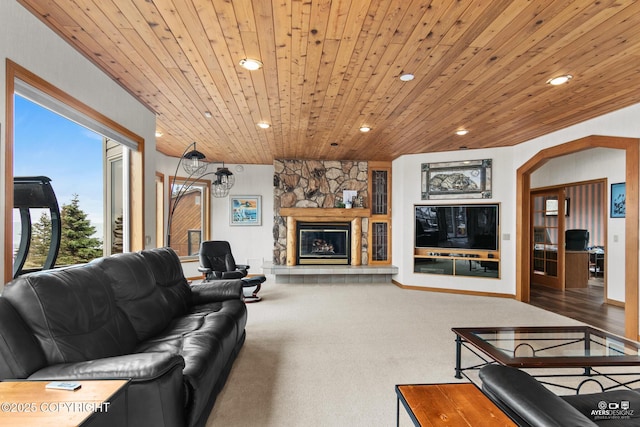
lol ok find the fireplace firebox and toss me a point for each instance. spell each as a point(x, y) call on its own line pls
point(324, 243)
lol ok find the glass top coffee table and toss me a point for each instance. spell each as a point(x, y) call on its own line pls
point(546, 347)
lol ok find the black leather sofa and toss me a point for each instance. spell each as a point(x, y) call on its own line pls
point(529, 403)
point(127, 316)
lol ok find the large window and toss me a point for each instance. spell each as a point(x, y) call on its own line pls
point(85, 169)
point(90, 162)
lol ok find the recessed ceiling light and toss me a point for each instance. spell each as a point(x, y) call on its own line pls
point(462, 132)
point(560, 80)
point(264, 125)
point(407, 77)
point(207, 114)
point(365, 129)
point(250, 64)
point(158, 134)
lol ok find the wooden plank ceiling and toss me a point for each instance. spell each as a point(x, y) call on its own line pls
point(331, 66)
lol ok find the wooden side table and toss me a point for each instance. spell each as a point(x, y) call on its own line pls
point(461, 404)
point(96, 403)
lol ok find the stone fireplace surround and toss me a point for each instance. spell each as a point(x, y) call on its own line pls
point(311, 191)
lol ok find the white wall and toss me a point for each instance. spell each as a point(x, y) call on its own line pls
point(29, 43)
point(506, 161)
point(624, 123)
point(597, 163)
point(251, 245)
point(407, 193)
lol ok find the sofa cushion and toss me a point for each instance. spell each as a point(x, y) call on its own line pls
point(235, 310)
point(20, 353)
point(72, 313)
point(136, 293)
point(169, 277)
point(200, 338)
point(207, 338)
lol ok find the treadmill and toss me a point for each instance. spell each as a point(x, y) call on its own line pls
point(35, 192)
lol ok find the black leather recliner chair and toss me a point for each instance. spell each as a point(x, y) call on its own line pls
point(217, 263)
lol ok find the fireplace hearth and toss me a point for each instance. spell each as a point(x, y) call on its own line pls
point(323, 243)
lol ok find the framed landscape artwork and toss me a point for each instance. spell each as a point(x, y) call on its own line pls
point(246, 210)
point(618, 200)
point(470, 179)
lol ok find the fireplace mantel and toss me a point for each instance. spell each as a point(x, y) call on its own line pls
point(353, 215)
point(328, 214)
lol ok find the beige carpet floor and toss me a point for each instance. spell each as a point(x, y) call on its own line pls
point(330, 355)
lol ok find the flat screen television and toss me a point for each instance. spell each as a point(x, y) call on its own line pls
point(457, 226)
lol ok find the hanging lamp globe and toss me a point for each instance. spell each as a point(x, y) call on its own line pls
point(194, 162)
point(225, 177)
point(218, 190)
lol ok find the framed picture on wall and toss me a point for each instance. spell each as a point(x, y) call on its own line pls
point(470, 179)
point(551, 207)
point(618, 200)
point(245, 210)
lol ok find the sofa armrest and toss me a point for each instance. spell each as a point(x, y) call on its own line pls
point(527, 401)
point(215, 291)
point(138, 366)
point(156, 395)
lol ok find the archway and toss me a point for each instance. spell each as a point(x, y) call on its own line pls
point(523, 220)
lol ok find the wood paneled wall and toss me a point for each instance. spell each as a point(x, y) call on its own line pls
point(186, 218)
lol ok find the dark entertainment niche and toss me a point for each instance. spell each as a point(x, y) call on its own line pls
point(457, 239)
point(323, 243)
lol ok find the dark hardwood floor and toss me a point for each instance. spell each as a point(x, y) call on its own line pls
point(583, 304)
